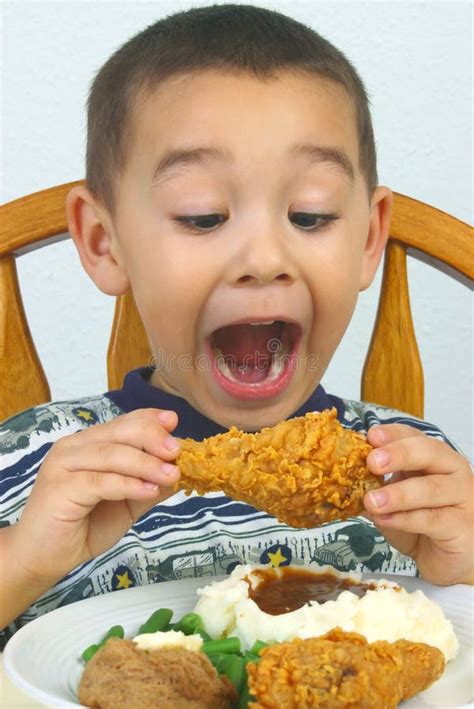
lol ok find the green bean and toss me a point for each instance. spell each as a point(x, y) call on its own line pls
point(250, 657)
point(216, 660)
point(116, 631)
point(233, 667)
point(159, 620)
point(245, 697)
point(189, 623)
point(89, 652)
point(205, 636)
point(227, 646)
point(257, 646)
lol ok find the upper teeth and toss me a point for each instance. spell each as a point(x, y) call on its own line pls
point(265, 322)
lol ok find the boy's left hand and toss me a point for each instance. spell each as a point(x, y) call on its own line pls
point(426, 510)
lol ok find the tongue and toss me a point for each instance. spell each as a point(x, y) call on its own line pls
point(248, 349)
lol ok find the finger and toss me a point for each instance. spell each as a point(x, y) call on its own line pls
point(439, 523)
point(145, 429)
point(119, 513)
point(419, 453)
point(415, 493)
point(90, 487)
point(105, 457)
point(380, 434)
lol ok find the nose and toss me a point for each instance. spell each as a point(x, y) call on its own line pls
point(263, 258)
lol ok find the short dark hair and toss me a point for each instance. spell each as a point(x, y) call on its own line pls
point(242, 38)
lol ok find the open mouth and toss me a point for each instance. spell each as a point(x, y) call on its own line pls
point(254, 359)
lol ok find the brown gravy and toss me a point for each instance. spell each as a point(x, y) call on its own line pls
point(290, 588)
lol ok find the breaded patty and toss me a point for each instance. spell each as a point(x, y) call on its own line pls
point(121, 676)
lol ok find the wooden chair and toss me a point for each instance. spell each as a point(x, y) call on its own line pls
point(392, 374)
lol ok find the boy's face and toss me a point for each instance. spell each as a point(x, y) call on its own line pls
point(253, 226)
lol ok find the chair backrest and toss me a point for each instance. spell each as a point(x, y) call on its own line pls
point(392, 374)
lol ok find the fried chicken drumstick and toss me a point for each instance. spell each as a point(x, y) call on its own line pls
point(342, 671)
point(305, 471)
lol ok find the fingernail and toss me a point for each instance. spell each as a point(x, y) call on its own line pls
point(165, 416)
point(378, 498)
point(149, 485)
point(171, 443)
point(169, 468)
point(381, 457)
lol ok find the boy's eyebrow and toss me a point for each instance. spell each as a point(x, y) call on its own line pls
point(320, 153)
point(181, 157)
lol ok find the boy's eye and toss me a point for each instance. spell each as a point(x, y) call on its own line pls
point(201, 222)
point(311, 221)
point(308, 221)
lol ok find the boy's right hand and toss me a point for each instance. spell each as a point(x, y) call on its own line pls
point(92, 486)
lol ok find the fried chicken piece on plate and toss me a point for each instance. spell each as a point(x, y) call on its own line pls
point(304, 471)
point(342, 670)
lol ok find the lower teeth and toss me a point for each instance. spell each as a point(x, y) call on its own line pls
point(222, 366)
point(276, 367)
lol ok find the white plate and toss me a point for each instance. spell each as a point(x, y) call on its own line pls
point(43, 658)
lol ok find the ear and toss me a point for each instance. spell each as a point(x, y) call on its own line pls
point(92, 231)
point(379, 225)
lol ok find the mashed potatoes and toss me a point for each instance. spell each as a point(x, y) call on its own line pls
point(385, 612)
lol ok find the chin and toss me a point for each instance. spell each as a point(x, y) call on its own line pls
point(253, 416)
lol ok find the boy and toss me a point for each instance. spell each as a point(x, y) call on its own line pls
point(231, 183)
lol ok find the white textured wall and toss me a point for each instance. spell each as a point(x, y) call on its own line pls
point(414, 58)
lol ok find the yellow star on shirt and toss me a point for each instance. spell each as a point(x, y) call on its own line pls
point(276, 558)
point(124, 581)
point(84, 414)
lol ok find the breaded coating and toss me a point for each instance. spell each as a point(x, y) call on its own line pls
point(305, 471)
point(121, 675)
point(342, 670)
